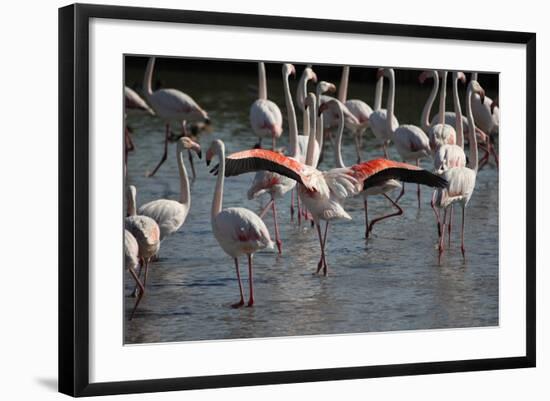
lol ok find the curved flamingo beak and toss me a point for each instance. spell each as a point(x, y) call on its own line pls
point(313, 77)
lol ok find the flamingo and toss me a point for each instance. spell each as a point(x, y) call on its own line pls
point(441, 133)
point(171, 105)
point(147, 234)
point(461, 180)
point(269, 182)
point(301, 94)
point(131, 261)
point(357, 107)
point(133, 105)
point(238, 230)
point(410, 141)
point(452, 155)
point(361, 171)
point(377, 119)
point(170, 214)
point(265, 116)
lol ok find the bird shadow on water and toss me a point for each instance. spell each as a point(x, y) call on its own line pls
point(49, 383)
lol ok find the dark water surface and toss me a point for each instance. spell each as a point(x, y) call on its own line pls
point(392, 282)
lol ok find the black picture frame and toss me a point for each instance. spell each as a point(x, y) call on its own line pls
point(74, 201)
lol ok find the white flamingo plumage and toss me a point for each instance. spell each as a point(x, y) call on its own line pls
point(377, 119)
point(265, 116)
point(172, 106)
point(461, 179)
point(131, 262)
point(239, 231)
point(147, 234)
point(357, 107)
point(301, 93)
point(485, 112)
point(171, 214)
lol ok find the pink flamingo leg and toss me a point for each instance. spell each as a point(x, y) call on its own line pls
point(250, 281)
point(321, 260)
point(442, 237)
point(276, 224)
point(241, 302)
point(432, 204)
point(418, 186)
point(462, 234)
point(292, 205)
point(494, 153)
point(401, 193)
point(141, 291)
point(365, 205)
point(385, 150)
point(163, 159)
point(397, 213)
point(325, 266)
point(450, 225)
point(266, 208)
point(135, 292)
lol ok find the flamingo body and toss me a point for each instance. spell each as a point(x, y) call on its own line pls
point(131, 251)
point(411, 142)
point(169, 214)
point(134, 104)
point(377, 123)
point(266, 119)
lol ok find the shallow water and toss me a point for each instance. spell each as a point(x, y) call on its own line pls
point(392, 282)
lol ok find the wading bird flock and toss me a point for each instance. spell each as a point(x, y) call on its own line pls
point(316, 194)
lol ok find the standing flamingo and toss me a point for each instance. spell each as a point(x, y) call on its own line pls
point(265, 116)
point(133, 105)
point(357, 107)
point(377, 119)
point(269, 182)
point(410, 141)
point(238, 230)
point(171, 105)
point(461, 180)
point(131, 261)
point(147, 234)
point(170, 214)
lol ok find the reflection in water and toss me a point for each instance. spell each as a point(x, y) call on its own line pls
point(393, 282)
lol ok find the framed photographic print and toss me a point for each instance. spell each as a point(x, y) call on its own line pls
point(251, 208)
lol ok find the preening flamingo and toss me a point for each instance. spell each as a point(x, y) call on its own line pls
point(461, 180)
point(357, 107)
point(171, 214)
point(131, 262)
point(239, 231)
point(172, 106)
point(377, 119)
point(265, 116)
point(269, 182)
point(363, 171)
point(410, 141)
point(147, 234)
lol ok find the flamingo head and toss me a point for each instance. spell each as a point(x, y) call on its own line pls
point(324, 87)
point(310, 74)
point(379, 73)
point(460, 76)
point(428, 74)
point(288, 69)
point(310, 100)
point(214, 148)
point(476, 88)
point(187, 143)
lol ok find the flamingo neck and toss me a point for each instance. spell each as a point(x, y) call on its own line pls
point(442, 97)
point(185, 193)
point(311, 137)
point(218, 193)
point(391, 103)
point(343, 89)
point(471, 131)
point(319, 135)
point(148, 77)
point(292, 124)
point(262, 84)
point(378, 93)
point(301, 94)
point(338, 148)
point(474, 76)
point(458, 115)
point(425, 123)
point(131, 206)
